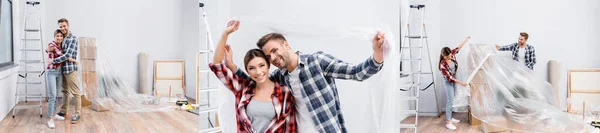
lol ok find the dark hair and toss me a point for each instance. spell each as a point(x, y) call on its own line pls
point(268, 37)
point(57, 31)
point(63, 20)
point(255, 53)
point(445, 52)
point(524, 34)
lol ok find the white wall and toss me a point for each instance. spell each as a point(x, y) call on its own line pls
point(122, 30)
point(8, 78)
point(566, 31)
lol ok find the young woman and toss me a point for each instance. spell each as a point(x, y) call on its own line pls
point(54, 76)
point(448, 67)
point(262, 105)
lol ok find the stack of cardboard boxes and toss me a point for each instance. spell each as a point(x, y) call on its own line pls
point(87, 48)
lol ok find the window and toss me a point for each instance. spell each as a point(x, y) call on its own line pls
point(6, 33)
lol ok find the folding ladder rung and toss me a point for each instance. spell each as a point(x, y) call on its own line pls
point(416, 37)
point(204, 71)
point(414, 72)
point(31, 50)
point(408, 111)
point(28, 95)
point(31, 39)
point(208, 110)
point(32, 30)
point(408, 126)
point(27, 106)
point(30, 71)
point(410, 59)
point(31, 61)
point(205, 51)
point(211, 130)
point(409, 98)
point(29, 82)
point(209, 89)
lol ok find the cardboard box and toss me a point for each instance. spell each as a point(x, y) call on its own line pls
point(87, 47)
point(473, 120)
point(88, 65)
point(85, 101)
point(87, 41)
point(90, 84)
point(98, 107)
point(88, 52)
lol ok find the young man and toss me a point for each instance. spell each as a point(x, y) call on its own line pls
point(70, 48)
point(312, 79)
point(521, 51)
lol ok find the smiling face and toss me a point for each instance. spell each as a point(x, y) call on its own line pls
point(257, 66)
point(276, 49)
point(58, 36)
point(258, 69)
point(278, 53)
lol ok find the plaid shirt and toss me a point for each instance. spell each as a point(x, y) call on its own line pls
point(70, 45)
point(244, 89)
point(57, 52)
point(318, 72)
point(529, 53)
point(444, 67)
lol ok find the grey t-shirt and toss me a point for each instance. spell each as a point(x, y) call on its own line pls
point(260, 114)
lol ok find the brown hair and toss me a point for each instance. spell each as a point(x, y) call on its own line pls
point(445, 52)
point(255, 53)
point(268, 37)
point(63, 20)
point(57, 31)
point(524, 34)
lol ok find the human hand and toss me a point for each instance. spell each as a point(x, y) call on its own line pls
point(378, 46)
point(51, 48)
point(228, 54)
point(232, 26)
point(463, 84)
point(497, 46)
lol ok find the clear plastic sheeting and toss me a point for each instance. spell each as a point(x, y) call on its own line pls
point(106, 90)
point(115, 94)
point(504, 93)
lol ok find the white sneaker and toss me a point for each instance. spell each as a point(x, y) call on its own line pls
point(58, 117)
point(451, 126)
point(51, 124)
point(454, 120)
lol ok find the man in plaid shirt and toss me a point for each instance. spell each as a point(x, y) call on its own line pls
point(521, 51)
point(312, 79)
point(70, 47)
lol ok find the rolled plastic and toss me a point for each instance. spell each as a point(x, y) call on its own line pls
point(554, 76)
point(143, 73)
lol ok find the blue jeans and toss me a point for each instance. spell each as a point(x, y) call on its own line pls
point(54, 78)
point(449, 97)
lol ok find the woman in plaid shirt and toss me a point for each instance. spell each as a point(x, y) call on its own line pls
point(262, 105)
point(54, 76)
point(448, 67)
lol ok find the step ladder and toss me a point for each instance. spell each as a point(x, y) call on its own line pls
point(415, 83)
point(209, 49)
point(28, 75)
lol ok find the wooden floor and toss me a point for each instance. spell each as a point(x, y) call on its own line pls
point(29, 121)
point(433, 124)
